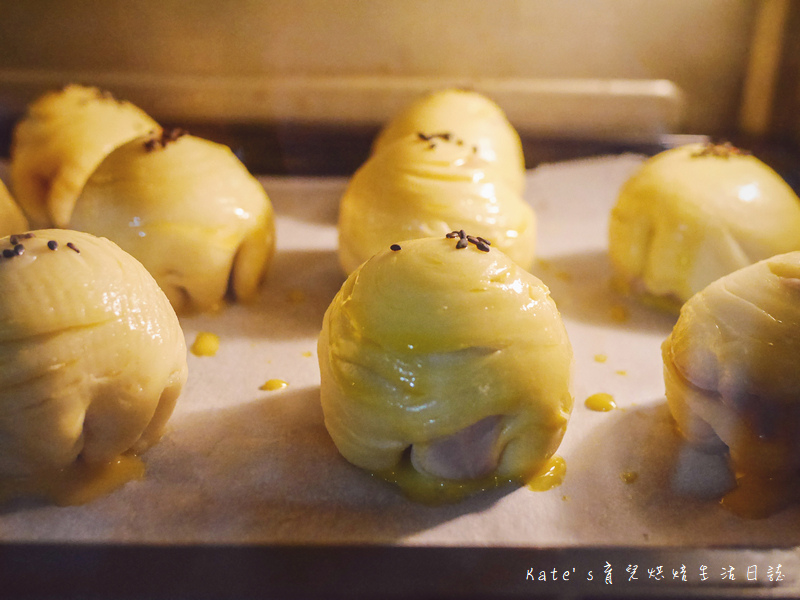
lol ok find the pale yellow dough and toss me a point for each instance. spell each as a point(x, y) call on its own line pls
point(415, 187)
point(732, 365)
point(469, 116)
point(189, 210)
point(692, 214)
point(58, 144)
point(11, 218)
point(92, 357)
point(458, 354)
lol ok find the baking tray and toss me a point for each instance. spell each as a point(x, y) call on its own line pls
point(246, 495)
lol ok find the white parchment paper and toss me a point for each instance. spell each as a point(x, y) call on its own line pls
point(241, 465)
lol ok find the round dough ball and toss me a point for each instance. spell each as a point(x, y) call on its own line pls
point(457, 354)
point(469, 116)
point(189, 210)
point(11, 217)
point(692, 214)
point(92, 357)
point(422, 187)
point(732, 368)
point(58, 144)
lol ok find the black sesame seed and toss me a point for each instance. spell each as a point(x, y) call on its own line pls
point(464, 240)
point(8, 253)
point(165, 137)
point(19, 249)
point(394, 247)
point(71, 246)
point(52, 244)
point(14, 239)
point(444, 135)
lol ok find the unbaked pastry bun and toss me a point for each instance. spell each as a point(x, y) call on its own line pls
point(11, 217)
point(424, 185)
point(469, 116)
point(692, 214)
point(92, 361)
point(732, 372)
point(444, 366)
point(189, 210)
point(58, 144)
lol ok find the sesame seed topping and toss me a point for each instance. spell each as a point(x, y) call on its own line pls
point(394, 247)
point(72, 246)
point(52, 244)
point(166, 136)
point(464, 240)
point(8, 253)
point(480, 243)
point(429, 137)
point(14, 239)
point(19, 249)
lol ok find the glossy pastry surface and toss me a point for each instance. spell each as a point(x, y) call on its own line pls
point(189, 210)
point(695, 213)
point(57, 145)
point(427, 185)
point(92, 358)
point(467, 115)
point(731, 369)
point(451, 352)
